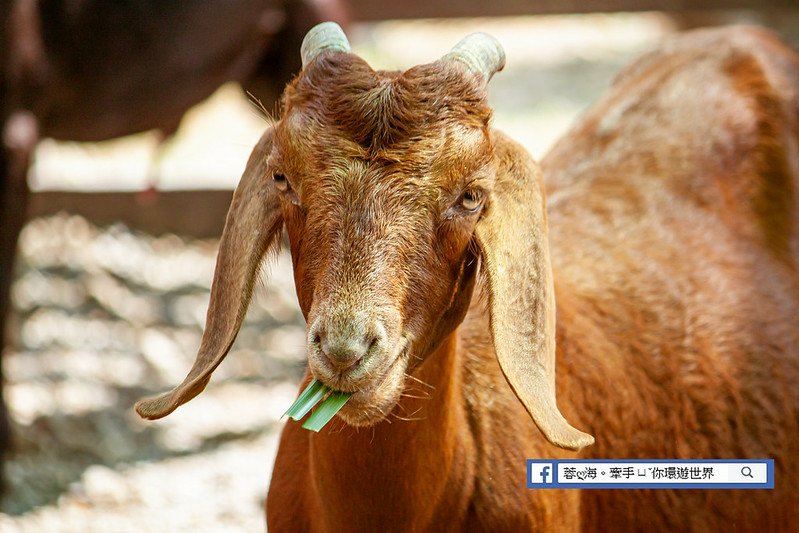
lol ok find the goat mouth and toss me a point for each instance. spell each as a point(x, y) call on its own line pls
point(367, 377)
point(372, 403)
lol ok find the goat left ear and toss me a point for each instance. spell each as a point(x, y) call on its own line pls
point(512, 235)
point(252, 226)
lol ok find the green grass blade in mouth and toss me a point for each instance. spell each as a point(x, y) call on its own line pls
point(312, 395)
point(327, 410)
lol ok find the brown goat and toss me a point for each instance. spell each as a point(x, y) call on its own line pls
point(422, 265)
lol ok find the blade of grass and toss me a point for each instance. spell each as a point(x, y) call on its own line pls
point(326, 410)
point(312, 394)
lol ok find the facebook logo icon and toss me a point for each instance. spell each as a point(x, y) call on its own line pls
point(540, 474)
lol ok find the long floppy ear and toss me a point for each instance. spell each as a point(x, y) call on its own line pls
point(512, 235)
point(253, 224)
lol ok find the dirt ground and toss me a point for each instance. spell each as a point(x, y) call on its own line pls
point(104, 316)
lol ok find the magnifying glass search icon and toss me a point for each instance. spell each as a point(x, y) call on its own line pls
point(747, 472)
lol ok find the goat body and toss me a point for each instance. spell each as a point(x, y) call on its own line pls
point(674, 230)
point(674, 223)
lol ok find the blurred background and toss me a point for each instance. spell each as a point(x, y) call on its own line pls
point(115, 262)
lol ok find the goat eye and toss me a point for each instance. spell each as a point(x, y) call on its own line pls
point(471, 200)
point(281, 182)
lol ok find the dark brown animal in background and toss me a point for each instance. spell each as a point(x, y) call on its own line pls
point(93, 70)
point(421, 249)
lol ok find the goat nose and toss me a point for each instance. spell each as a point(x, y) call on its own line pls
point(344, 350)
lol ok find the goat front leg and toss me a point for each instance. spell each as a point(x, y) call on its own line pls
point(20, 134)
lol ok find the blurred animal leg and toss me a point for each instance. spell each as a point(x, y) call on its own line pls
point(19, 137)
point(163, 142)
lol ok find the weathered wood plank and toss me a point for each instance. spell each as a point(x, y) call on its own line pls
point(373, 10)
point(195, 213)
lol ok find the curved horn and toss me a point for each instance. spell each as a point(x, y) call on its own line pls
point(323, 38)
point(481, 52)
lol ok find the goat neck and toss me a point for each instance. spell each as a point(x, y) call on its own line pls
point(372, 469)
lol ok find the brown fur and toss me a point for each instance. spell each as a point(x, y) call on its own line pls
point(674, 230)
point(674, 225)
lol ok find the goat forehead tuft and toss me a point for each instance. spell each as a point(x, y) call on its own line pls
point(380, 110)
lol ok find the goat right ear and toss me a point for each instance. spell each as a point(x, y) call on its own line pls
point(253, 225)
point(512, 235)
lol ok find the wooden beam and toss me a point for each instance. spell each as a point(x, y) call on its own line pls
point(375, 10)
point(195, 213)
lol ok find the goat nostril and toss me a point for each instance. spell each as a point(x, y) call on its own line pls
point(344, 361)
point(346, 347)
point(346, 353)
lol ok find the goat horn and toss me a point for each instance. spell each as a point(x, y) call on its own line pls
point(481, 52)
point(323, 38)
